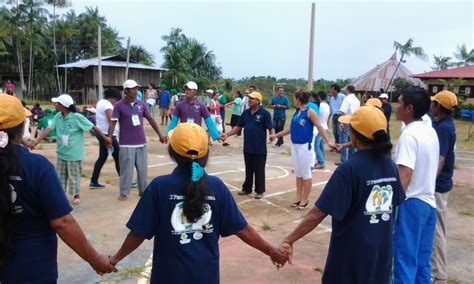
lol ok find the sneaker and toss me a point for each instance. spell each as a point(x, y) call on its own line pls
point(337, 163)
point(134, 184)
point(96, 185)
point(122, 198)
point(243, 192)
point(259, 196)
point(319, 167)
point(225, 144)
point(276, 146)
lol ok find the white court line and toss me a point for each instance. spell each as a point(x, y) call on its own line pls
point(145, 275)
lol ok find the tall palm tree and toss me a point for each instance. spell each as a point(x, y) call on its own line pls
point(465, 58)
point(441, 63)
point(406, 49)
point(6, 30)
point(66, 32)
point(175, 54)
point(202, 61)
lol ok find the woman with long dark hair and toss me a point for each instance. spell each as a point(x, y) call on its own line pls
point(187, 212)
point(33, 209)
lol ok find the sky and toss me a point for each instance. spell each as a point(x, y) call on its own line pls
point(272, 38)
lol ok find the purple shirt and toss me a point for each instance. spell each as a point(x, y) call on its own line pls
point(195, 111)
point(130, 134)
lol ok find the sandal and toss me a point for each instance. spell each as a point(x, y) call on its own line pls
point(76, 201)
point(302, 207)
point(296, 204)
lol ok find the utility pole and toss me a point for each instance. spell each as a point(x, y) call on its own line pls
point(128, 59)
point(99, 57)
point(311, 48)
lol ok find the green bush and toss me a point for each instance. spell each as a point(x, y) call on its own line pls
point(467, 106)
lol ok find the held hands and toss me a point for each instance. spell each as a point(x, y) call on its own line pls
point(164, 139)
point(102, 264)
point(279, 256)
point(223, 137)
point(273, 137)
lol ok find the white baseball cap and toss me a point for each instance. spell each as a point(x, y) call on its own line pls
point(64, 99)
point(210, 91)
point(191, 85)
point(91, 109)
point(130, 84)
point(383, 96)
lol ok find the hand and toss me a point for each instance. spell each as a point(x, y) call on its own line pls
point(164, 139)
point(223, 137)
point(288, 249)
point(273, 137)
point(32, 144)
point(102, 265)
point(279, 257)
point(333, 146)
point(108, 140)
point(113, 260)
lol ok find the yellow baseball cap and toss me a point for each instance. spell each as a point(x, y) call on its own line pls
point(189, 140)
point(367, 120)
point(446, 98)
point(374, 102)
point(255, 95)
point(12, 112)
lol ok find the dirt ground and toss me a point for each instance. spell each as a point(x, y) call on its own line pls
point(103, 218)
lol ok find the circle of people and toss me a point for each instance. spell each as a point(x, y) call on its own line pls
point(388, 213)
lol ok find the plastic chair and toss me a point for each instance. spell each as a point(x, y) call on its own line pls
point(465, 114)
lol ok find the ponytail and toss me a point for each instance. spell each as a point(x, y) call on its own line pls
point(8, 166)
point(195, 192)
point(381, 144)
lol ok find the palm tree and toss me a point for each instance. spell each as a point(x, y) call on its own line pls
point(202, 62)
point(175, 54)
point(465, 58)
point(6, 30)
point(59, 4)
point(406, 49)
point(66, 32)
point(441, 63)
point(139, 54)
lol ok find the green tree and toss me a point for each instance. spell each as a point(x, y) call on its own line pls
point(441, 63)
point(406, 49)
point(464, 56)
point(400, 84)
point(139, 54)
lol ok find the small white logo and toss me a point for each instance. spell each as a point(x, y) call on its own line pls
point(13, 193)
point(197, 236)
point(385, 217)
point(373, 219)
point(184, 239)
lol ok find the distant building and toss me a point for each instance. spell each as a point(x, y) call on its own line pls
point(379, 77)
point(82, 76)
point(466, 73)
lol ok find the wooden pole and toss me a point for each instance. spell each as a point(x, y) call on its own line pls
point(311, 48)
point(99, 57)
point(128, 59)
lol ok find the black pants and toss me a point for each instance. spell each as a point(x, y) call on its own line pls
point(222, 110)
point(279, 125)
point(103, 154)
point(254, 164)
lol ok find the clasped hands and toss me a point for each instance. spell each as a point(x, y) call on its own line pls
point(281, 255)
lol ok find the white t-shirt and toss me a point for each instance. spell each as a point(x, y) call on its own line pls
point(426, 119)
point(26, 129)
point(245, 104)
point(324, 111)
point(101, 117)
point(418, 149)
point(350, 104)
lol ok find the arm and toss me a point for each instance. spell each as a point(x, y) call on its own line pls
point(43, 135)
point(131, 243)
point(253, 239)
point(112, 124)
point(173, 123)
point(155, 127)
point(316, 122)
point(212, 128)
point(108, 140)
point(310, 221)
point(440, 165)
point(71, 233)
point(405, 176)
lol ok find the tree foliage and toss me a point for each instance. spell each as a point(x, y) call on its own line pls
point(441, 63)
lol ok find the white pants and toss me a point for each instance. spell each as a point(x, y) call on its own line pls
point(302, 158)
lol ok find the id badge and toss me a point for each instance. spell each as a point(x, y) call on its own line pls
point(65, 140)
point(190, 120)
point(135, 120)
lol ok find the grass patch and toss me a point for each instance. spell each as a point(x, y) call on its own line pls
point(132, 271)
point(467, 213)
point(453, 281)
point(318, 269)
point(266, 227)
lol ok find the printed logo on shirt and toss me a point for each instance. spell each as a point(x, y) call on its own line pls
point(182, 226)
point(379, 202)
point(258, 118)
point(13, 193)
point(184, 239)
point(197, 108)
point(302, 122)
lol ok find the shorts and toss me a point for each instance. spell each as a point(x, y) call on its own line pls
point(302, 158)
point(234, 120)
point(163, 111)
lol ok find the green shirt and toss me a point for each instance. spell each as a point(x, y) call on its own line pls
point(45, 122)
point(70, 135)
point(236, 106)
point(222, 100)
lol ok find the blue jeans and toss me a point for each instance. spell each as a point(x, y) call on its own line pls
point(413, 241)
point(346, 153)
point(319, 149)
point(335, 128)
point(279, 125)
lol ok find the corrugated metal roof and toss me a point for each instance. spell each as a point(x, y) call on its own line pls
point(108, 61)
point(466, 72)
point(380, 76)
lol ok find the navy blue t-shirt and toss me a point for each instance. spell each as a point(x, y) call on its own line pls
point(255, 130)
point(184, 252)
point(361, 197)
point(38, 198)
point(447, 139)
point(387, 110)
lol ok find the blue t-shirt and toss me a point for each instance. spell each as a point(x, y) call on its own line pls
point(183, 252)
point(164, 99)
point(280, 112)
point(335, 103)
point(255, 130)
point(314, 107)
point(387, 110)
point(447, 139)
point(38, 198)
point(301, 127)
point(361, 197)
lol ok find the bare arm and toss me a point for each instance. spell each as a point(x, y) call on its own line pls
point(101, 134)
point(405, 176)
point(233, 131)
point(131, 243)
point(317, 122)
point(283, 133)
point(43, 135)
point(309, 223)
point(155, 127)
point(71, 233)
point(253, 239)
point(440, 165)
point(112, 124)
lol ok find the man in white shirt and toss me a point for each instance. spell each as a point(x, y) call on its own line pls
point(349, 105)
point(324, 111)
point(104, 110)
point(417, 156)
